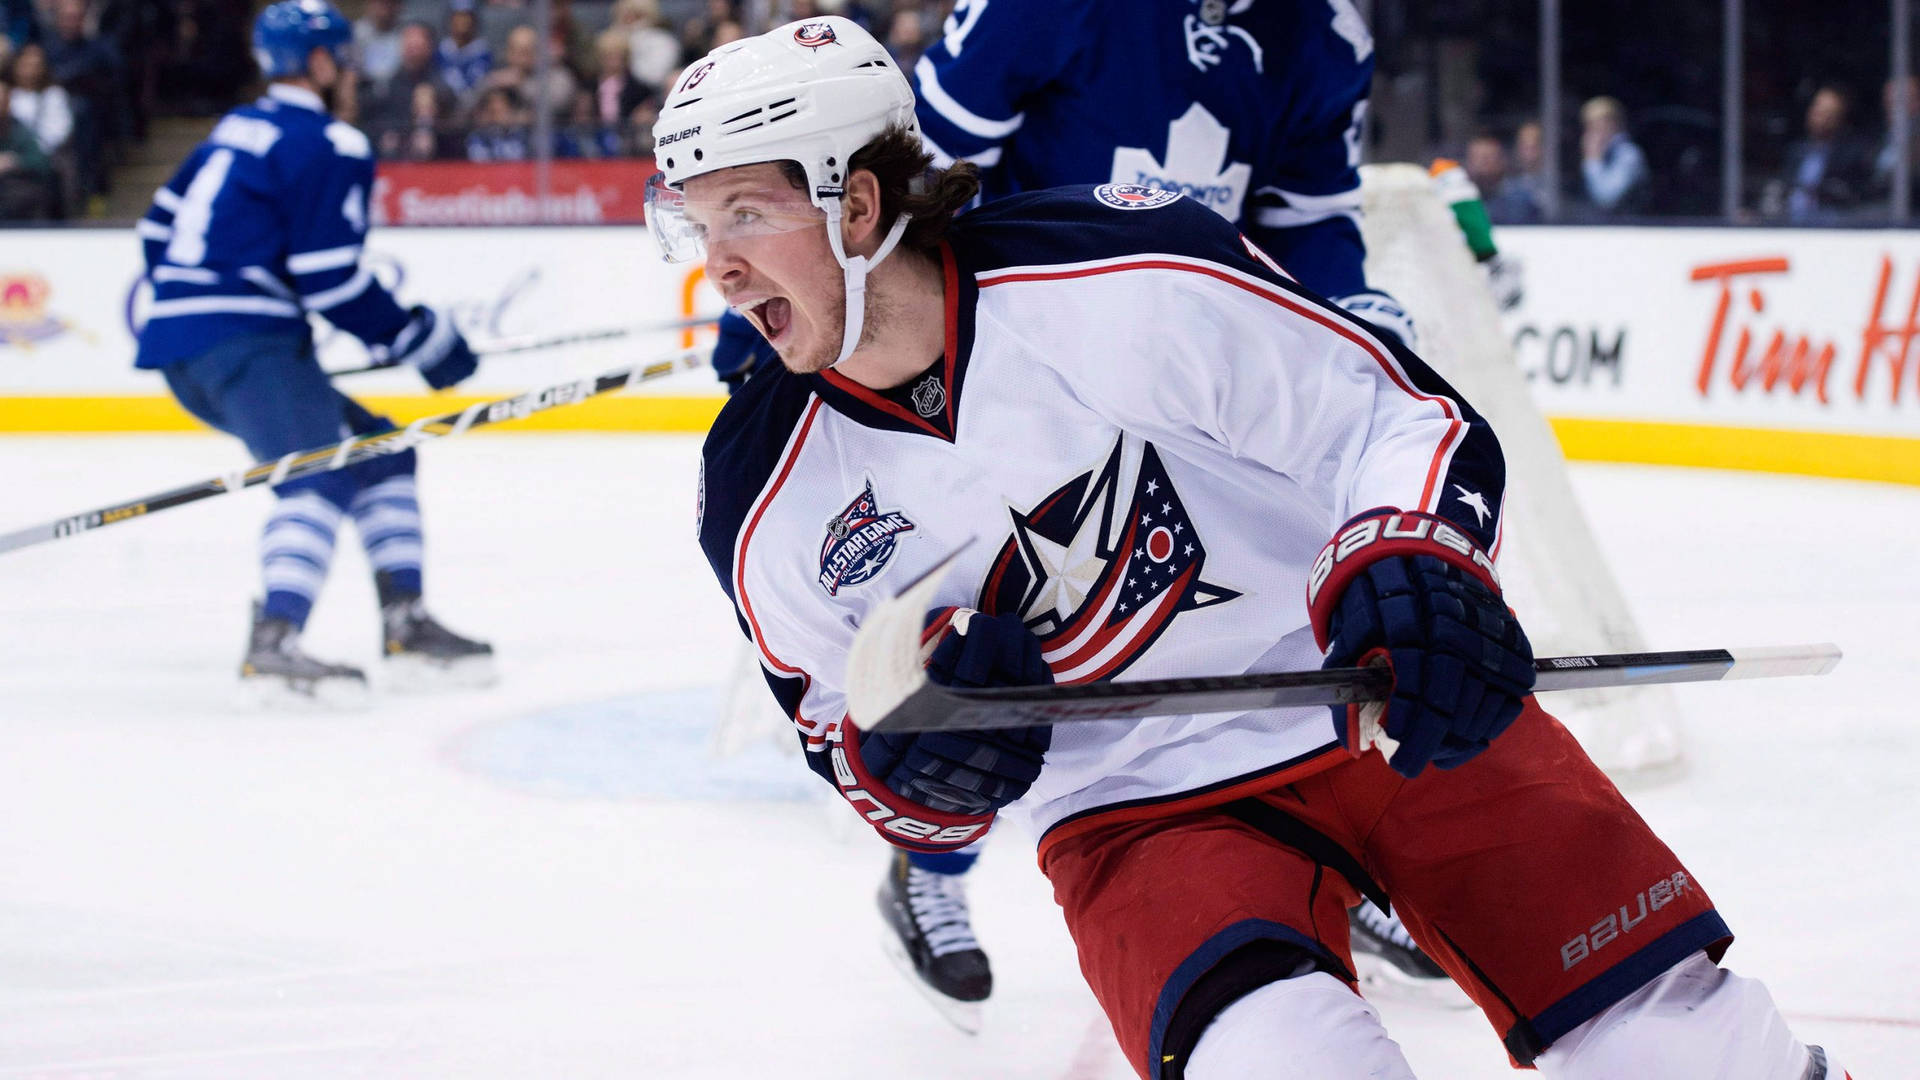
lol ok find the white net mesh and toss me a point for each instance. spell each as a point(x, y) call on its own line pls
point(1550, 565)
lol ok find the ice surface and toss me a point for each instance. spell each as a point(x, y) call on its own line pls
point(558, 878)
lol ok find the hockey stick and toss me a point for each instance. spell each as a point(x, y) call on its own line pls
point(888, 689)
point(360, 448)
point(532, 343)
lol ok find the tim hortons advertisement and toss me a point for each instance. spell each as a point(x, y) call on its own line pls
point(507, 193)
point(70, 299)
point(1758, 328)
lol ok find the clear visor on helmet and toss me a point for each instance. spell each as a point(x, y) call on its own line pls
point(685, 228)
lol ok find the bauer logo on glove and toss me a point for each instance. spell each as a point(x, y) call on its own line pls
point(1414, 592)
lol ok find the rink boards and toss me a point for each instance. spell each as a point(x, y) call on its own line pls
point(1778, 350)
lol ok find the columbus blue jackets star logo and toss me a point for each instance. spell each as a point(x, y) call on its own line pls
point(1476, 501)
point(1098, 580)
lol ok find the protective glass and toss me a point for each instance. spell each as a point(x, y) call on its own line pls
point(685, 228)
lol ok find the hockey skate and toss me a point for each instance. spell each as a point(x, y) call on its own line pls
point(931, 940)
point(276, 672)
point(1391, 966)
point(424, 655)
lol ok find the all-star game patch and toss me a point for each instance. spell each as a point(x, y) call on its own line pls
point(1134, 196)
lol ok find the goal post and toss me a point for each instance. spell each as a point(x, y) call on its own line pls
point(1551, 567)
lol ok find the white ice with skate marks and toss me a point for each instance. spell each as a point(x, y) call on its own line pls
point(556, 877)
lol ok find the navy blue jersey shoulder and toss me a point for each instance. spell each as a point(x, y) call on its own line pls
point(1081, 224)
point(1069, 225)
point(741, 452)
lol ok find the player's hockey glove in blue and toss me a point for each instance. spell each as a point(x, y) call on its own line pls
point(430, 343)
point(739, 351)
point(967, 772)
point(1415, 592)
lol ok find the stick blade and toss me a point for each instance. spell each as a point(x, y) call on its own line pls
point(884, 665)
point(1777, 661)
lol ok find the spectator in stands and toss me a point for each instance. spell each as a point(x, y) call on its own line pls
point(697, 33)
point(1889, 153)
point(653, 50)
point(907, 35)
point(1507, 202)
point(517, 74)
point(26, 176)
point(726, 30)
point(433, 134)
point(569, 42)
point(1828, 171)
point(1612, 167)
point(387, 105)
point(615, 91)
point(500, 127)
point(376, 40)
point(38, 102)
point(464, 59)
point(86, 68)
point(584, 135)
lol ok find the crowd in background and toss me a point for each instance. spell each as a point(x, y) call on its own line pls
point(477, 80)
point(79, 80)
point(459, 79)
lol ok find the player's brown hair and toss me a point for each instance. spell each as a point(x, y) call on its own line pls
point(910, 184)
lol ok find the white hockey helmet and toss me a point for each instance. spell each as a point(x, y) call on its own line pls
point(811, 92)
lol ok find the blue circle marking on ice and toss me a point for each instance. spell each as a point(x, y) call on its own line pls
point(1134, 196)
point(645, 746)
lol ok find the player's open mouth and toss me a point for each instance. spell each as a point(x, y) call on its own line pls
point(771, 316)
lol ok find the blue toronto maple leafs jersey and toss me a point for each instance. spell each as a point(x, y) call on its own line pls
point(1250, 107)
point(263, 223)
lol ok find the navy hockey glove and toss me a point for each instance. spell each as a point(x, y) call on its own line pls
point(1414, 591)
point(967, 772)
point(431, 343)
point(739, 351)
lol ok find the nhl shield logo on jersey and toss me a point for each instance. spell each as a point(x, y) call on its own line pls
point(1134, 196)
point(815, 34)
point(860, 542)
point(930, 396)
point(1098, 579)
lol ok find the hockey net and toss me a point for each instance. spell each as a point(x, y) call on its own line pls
point(1551, 567)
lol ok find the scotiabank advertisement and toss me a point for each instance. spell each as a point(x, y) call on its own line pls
point(1805, 330)
point(1808, 331)
point(508, 193)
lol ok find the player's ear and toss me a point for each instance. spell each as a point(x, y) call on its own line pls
point(860, 213)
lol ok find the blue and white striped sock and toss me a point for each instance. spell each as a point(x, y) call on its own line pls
point(296, 549)
point(387, 514)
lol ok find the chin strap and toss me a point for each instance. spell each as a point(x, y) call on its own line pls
point(856, 268)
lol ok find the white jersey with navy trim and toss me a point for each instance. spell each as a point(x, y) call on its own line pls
point(263, 223)
point(1252, 107)
point(1147, 433)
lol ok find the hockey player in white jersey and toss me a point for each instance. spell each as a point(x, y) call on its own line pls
point(1251, 109)
point(263, 224)
point(1180, 463)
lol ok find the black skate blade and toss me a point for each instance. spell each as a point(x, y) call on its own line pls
point(277, 693)
point(968, 1016)
point(413, 673)
point(1382, 980)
